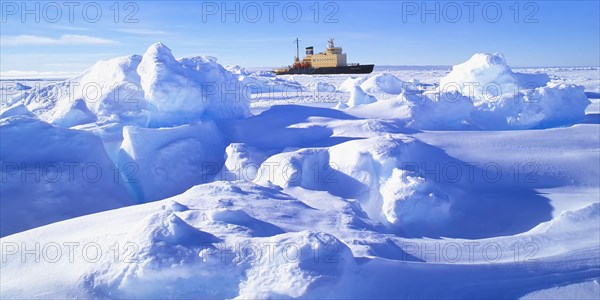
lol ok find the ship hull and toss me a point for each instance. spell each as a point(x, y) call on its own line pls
point(359, 69)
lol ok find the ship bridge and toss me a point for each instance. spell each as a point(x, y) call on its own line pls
point(332, 57)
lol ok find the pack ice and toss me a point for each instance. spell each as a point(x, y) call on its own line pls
point(481, 93)
point(160, 183)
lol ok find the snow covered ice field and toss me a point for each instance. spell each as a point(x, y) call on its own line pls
point(148, 176)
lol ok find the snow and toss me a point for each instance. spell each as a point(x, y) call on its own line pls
point(16, 110)
point(349, 84)
point(242, 162)
point(384, 83)
point(437, 111)
point(166, 86)
point(482, 93)
point(258, 84)
point(409, 198)
point(504, 99)
point(237, 70)
point(221, 182)
point(583, 290)
point(16, 86)
point(154, 89)
point(321, 87)
point(142, 112)
point(77, 114)
point(182, 91)
point(484, 75)
point(341, 105)
point(204, 247)
point(167, 161)
point(359, 97)
point(315, 267)
point(51, 174)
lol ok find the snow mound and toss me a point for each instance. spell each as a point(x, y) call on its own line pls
point(569, 221)
point(242, 162)
point(224, 96)
point(341, 105)
point(154, 113)
point(14, 86)
point(76, 114)
point(436, 111)
point(110, 89)
point(482, 93)
point(166, 161)
point(385, 83)
point(168, 253)
point(504, 99)
point(369, 170)
point(317, 265)
point(409, 198)
point(359, 97)
point(198, 250)
point(544, 107)
point(260, 84)
point(264, 74)
point(16, 110)
point(231, 240)
point(471, 77)
point(51, 174)
point(322, 87)
point(166, 228)
point(166, 85)
point(582, 290)
point(349, 84)
point(181, 91)
point(154, 89)
point(488, 75)
point(237, 70)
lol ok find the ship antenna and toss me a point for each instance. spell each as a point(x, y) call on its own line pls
point(297, 41)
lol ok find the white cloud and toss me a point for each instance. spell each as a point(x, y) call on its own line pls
point(65, 39)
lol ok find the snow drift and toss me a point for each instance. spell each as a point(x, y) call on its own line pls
point(154, 89)
point(482, 93)
point(349, 84)
point(183, 247)
point(359, 97)
point(371, 171)
point(145, 122)
point(260, 84)
point(297, 201)
point(167, 161)
point(211, 242)
point(242, 162)
point(504, 99)
point(488, 75)
point(385, 83)
point(51, 174)
point(322, 87)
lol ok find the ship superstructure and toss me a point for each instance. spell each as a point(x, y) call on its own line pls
point(332, 61)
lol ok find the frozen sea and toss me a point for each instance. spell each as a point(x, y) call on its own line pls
point(296, 194)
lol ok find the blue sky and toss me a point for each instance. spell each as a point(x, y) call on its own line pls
point(549, 33)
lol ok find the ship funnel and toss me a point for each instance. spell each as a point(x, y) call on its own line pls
point(309, 50)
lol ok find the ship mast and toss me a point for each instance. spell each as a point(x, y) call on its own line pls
point(297, 41)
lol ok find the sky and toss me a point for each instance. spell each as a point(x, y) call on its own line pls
point(58, 38)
